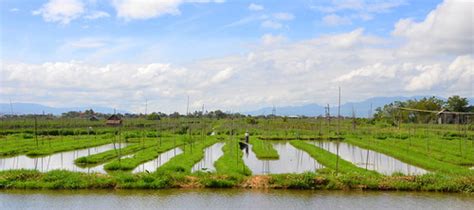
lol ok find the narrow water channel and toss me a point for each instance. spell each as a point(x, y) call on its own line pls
point(291, 160)
point(369, 159)
point(62, 160)
point(164, 157)
point(211, 154)
point(230, 199)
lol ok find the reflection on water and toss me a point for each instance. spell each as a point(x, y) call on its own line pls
point(369, 159)
point(211, 154)
point(291, 160)
point(230, 199)
point(159, 161)
point(62, 160)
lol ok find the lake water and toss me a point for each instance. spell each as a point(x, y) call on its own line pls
point(62, 160)
point(211, 154)
point(164, 157)
point(230, 199)
point(369, 159)
point(291, 160)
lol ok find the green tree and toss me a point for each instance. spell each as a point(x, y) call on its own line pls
point(153, 116)
point(457, 104)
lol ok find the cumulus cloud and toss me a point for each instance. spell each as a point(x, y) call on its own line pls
point(271, 24)
point(96, 15)
point(62, 11)
point(255, 7)
point(441, 77)
point(140, 9)
point(285, 16)
point(272, 40)
point(336, 20)
point(447, 29)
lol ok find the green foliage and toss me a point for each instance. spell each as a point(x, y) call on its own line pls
point(457, 104)
point(184, 162)
point(263, 149)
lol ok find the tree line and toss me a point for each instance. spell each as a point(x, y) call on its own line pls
point(392, 111)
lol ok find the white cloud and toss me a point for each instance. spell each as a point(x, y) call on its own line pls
point(435, 77)
point(143, 9)
point(365, 6)
point(336, 20)
point(84, 43)
point(255, 7)
point(271, 24)
point(456, 77)
point(447, 29)
point(283, 16)
point(14, 10)
point(354, 10)
point(272, 40)
point(62, 11)
point(96, 15)
point(222, 76)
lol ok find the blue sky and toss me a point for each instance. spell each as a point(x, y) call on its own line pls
point(222, 49)
point(205, 26)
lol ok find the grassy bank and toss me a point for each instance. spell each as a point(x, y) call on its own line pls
point(263, 149)
point(183, 163)
point(28, 179)
point(231, 162)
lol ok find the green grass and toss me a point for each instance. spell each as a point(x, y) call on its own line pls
point(184, 162)
point(329, 159)
point(142, 156)
point(231, 162)
point(106, 156)
point(17, 145)
point(263, 149)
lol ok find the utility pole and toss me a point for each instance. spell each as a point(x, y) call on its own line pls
point(338, 130)
point(146, 106)
point(187, 107)
point(11, 107)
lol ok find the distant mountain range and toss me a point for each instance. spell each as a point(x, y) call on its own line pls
point(361, 109)
point(31, 108)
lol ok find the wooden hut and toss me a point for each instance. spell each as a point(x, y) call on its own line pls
point(444, 117)
point(114, 120)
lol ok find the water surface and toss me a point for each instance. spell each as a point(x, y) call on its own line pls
point(230, 199)
point(291, 160)
point(369, 159)
point(211, 154)
point(159, 161)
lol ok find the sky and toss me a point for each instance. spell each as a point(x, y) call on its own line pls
point(232, 55)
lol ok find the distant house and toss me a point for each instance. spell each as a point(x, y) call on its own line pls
point(114, 120)
point(447, 117)
point(93, 118)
